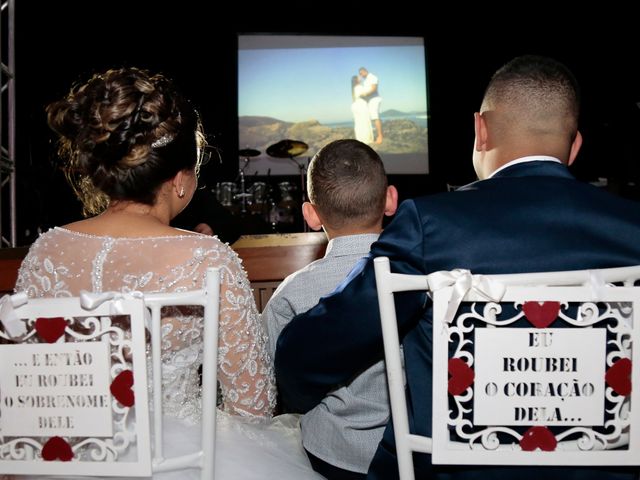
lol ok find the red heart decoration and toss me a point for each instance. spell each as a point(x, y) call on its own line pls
point(121, 388)
point(538, 437)
point(50, 329)
point(618, 376)
point(541, 316)
point(57, 448)
point(461, 376)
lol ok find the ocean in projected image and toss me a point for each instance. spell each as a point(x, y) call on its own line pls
point(313, 90)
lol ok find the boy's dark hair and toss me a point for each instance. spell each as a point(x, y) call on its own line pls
point(347, 184)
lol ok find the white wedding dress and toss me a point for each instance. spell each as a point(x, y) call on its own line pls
point(249, 443)
point(361, 121)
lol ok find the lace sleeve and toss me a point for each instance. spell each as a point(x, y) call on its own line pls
point(244, 366)
point(24, 276)
point(36, 278)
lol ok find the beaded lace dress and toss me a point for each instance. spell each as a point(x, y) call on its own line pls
point(64, 262)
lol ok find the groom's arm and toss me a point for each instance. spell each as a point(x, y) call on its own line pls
point(328, 345)
point(371, 90)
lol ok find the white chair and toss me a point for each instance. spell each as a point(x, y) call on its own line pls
point(531, 395)
point(73, 391)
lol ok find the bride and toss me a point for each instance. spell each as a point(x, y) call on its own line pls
point(360, 109)
point(133, 145)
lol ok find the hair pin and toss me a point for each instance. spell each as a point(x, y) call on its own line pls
point(162, 141)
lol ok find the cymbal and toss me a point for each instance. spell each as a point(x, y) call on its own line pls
point(287, 148)
point(248, 152)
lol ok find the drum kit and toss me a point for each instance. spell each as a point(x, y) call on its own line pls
point(277, 207)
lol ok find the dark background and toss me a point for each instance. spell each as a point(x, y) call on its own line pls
point(58, 43)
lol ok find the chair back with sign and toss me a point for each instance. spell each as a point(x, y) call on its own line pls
point(528, 369)
point(74, 393)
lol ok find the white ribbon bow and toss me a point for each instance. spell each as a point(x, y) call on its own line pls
point(10, 321)
point(91, 301)
point(597, 285)
point(463, 281)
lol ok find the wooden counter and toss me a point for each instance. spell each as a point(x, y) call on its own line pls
point(268, 259)
point(273, 257)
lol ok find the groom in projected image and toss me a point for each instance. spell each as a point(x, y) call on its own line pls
point(372, 96)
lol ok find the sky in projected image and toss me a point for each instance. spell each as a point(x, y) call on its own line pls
point(296, 85)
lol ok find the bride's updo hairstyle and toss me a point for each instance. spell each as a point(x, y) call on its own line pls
point(124, 133)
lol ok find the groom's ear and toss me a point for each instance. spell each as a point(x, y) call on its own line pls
point(311, 216)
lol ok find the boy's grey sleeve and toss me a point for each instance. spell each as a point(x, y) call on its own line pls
point(276, 315)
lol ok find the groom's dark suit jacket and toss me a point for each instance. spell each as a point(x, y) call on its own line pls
point(529, 217)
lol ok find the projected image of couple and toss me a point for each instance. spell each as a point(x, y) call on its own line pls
point(366, 107)
point(273, 104)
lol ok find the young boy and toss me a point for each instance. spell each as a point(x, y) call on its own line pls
point(349, 197)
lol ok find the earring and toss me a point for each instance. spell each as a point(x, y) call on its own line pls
point(181, 194)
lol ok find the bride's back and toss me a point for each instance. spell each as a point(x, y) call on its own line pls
point(63, 262)
point(74, 261)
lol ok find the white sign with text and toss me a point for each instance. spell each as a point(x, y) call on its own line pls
point(55, 389)
point(534, 376)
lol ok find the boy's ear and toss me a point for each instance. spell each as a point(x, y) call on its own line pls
point(391, 203)
point(311, 216)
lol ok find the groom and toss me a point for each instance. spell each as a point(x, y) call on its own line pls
point(526, 214)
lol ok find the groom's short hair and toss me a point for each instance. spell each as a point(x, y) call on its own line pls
point(535, 95)
point(347, 184)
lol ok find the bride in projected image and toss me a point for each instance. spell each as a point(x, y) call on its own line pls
point(360, 109)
